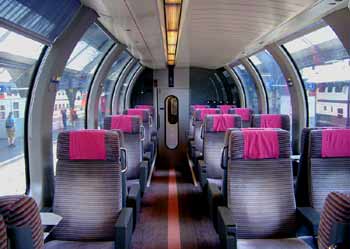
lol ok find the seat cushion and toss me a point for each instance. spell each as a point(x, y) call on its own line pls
point(57, 244)
point(272, 244)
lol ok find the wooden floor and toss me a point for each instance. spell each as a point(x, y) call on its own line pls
point(184, 224)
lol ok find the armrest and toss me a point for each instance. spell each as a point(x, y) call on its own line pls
point(215, 199)
point(340, 235)
point(134, 201)
point(147, 156)
point(143, 176)
point(20, 237)
point(124, 226)
point(309, 217)
point(202, 173)
point(226, 228)
point(154, 136)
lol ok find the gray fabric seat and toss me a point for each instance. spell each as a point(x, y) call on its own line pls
point(328, 173)
point(191, 124)
point(132, 142)
point(211, 172)
point(302, 190)
point(261, 210)
point(246, 115)
point(88, 192)
point(199, 115)
point(271, 121)
point(145, 114)
point(215, 127)
point(129, 129)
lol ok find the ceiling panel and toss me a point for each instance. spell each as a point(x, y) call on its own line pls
point(213, 32)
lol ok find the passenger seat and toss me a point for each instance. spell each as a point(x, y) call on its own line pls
point(129, 127)
point(190, 135)
point(246, 115)
point(225, 108)
point(88, 192)
point(261, 211)
point(329, 164)
point(271, 121)
point(148, 145)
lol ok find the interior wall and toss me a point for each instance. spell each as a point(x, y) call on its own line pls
point(181, 91)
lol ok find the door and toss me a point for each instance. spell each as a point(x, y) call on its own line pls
point(173, 106)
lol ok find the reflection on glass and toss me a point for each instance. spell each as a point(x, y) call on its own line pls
point(324, 66)
point(16, 70)
point(69, 109)
point(275, 83)
point(109, 83)
point(125, 85)
point(249, 87)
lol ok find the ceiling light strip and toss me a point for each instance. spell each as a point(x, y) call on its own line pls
point(172, 12)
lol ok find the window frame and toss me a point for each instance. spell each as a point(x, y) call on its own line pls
point(30, 98)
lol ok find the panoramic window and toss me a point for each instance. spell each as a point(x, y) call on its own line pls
point(324, 66)
point(275, 83)
point(249, 87)
point(74, 84)
point(16, 71)
point(112, 77)
point(126, 83)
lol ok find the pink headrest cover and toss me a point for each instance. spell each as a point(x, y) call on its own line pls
point(222, 122)
point(260, 144)
point(122, 122)
point(224, 108)
point(138, 112)
point(205, 112)
point(336, 143)
point(147, 107)
point(87, 145)
point(200, 106)
point(244, 113)
point(270, 121)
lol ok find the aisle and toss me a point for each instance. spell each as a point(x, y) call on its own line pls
point(173, 221)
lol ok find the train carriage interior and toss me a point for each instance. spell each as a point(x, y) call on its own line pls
point(174, 124)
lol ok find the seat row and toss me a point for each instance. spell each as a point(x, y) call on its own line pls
point(259, 209)
point(101, 176)
point(241, 169)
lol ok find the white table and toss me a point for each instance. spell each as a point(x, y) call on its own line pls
point(49, 221)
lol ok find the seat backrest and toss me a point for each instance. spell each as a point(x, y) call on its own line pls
point(191, 118)
point(199, 116)
point(88, 188)
point(302, 183)
point(147, 107)
point(3, 234)
point(336, 210)
point(215, 127)
point(130, 125)
point(225, 108)
point(271, 121)
point(22, 211)
point(329, 164)
point(246, 115)
point(145, 114)
point(260, 183)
